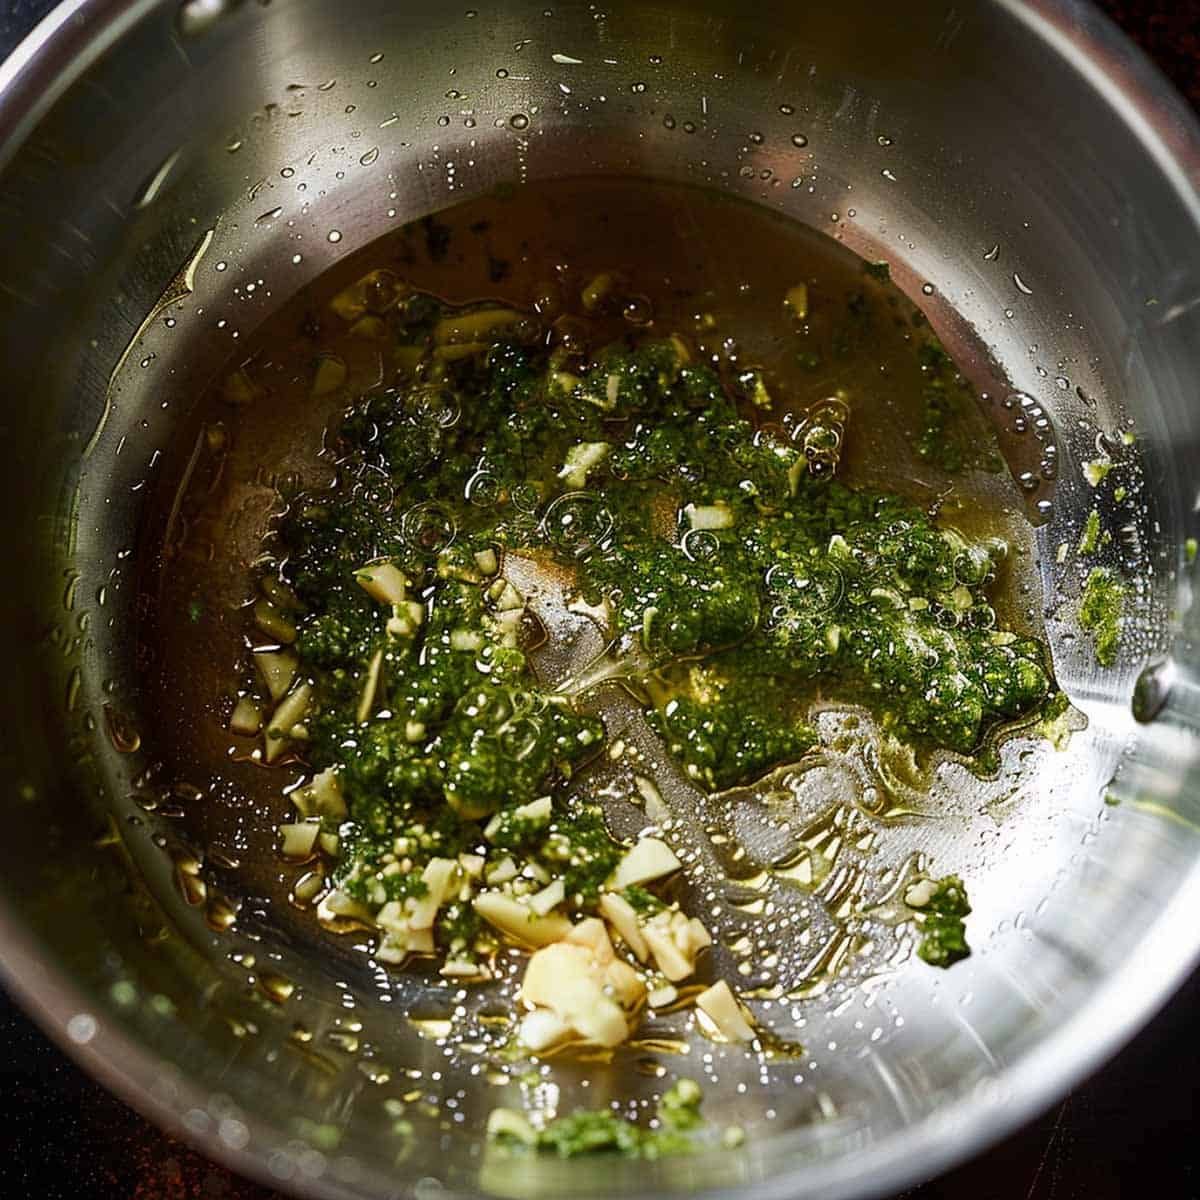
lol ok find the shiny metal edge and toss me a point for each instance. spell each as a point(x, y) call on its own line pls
point(53, 55)
point(38, 72)
point(1128, 80)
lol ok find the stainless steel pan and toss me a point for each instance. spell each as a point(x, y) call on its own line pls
point(1020, 159)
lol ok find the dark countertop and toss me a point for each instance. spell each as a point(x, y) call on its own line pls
point(1130, 1128)
point(1169, 31)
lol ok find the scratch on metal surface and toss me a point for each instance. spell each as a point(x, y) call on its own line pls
point(849, 103)
point(1178, 310)
point(78, 233)
point(17, 295)
point(975, 1036)
point(181, 490)
point(154, 185)
point(1050, 1149)
point(177, 45)
point(951, 28)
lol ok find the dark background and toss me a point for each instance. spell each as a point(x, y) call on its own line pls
point(1130, 1130)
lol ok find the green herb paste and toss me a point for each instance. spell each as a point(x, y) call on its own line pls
point(735, 576)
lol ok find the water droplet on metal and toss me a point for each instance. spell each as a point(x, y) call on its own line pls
point(799, 140)
point(993, 254)
point(518, 121)
point(190, 885)
point(1021, 285)
point(121, 731)
point(276, 988)
point(1152, 690)
point(335, 235)
point(220, 913)
point(650, 1067)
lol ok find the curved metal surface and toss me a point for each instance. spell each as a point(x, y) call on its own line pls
point(91, 108)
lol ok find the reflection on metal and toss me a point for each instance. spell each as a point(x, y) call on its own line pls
point(1099, 233)
point(183, 284)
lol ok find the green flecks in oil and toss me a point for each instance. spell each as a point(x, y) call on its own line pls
point(1089, 540)
point(1101, 612)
